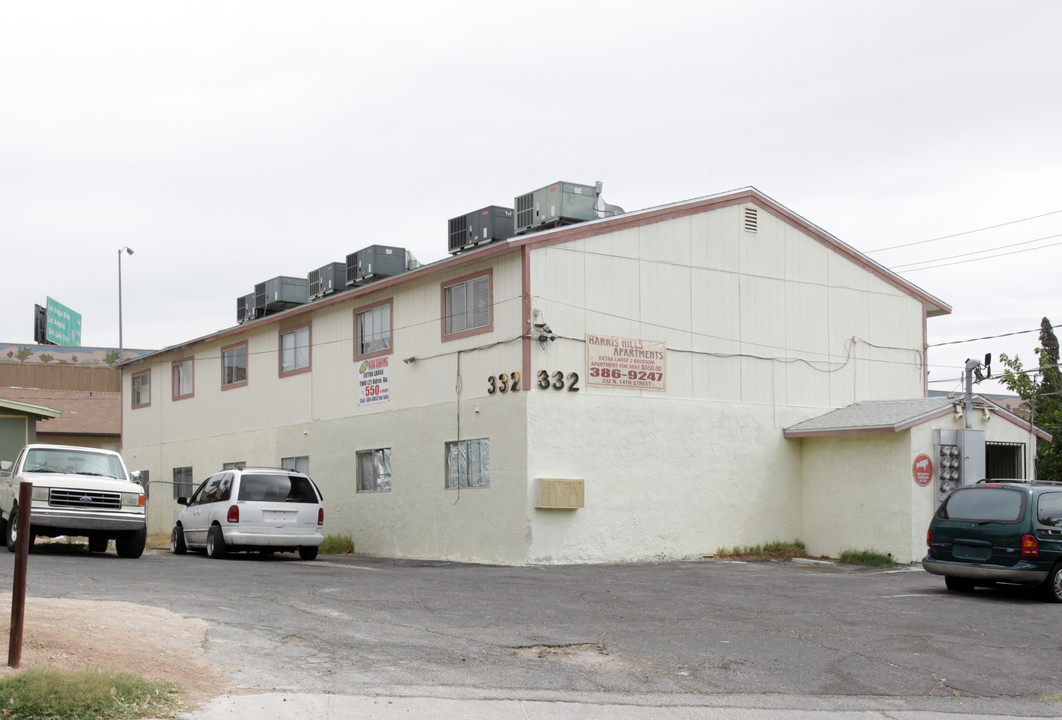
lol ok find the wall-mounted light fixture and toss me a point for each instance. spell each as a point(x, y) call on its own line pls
point(410, 360)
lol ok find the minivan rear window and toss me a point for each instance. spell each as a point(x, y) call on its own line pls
point(984, 504)
point(277, 488)
point(1049, 509)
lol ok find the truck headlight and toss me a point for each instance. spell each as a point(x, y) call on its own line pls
point(132, 500)
point(40, 494)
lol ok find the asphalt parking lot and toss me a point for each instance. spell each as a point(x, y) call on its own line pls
point(691, 634)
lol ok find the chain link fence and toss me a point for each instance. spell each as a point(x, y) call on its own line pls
point(162, 508)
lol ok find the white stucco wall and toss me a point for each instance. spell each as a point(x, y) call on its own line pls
point(664, 478)
point(859, 491)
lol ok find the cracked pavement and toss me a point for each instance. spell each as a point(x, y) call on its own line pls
point(698, 633)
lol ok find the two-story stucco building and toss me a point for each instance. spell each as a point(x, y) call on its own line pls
point(642, 369)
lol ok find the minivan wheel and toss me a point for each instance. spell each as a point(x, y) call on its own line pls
point(1053, 585)
point(215, 545)
point(177, 546)
point(308, 552)
point(957, 584)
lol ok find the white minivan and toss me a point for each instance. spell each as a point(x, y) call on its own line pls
point(251, 509)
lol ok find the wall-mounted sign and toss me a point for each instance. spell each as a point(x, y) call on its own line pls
point(626, 362)
point(922, 469)
point(374, 380)
point(64, 325)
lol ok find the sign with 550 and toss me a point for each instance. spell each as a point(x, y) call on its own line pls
point(626, 362)
point(374, 380)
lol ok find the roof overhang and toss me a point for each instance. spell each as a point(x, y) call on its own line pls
point(39, 411)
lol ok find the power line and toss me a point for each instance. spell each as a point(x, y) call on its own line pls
point(989, 257)
point(967, 232)
point(987, 337)
point(978, 252)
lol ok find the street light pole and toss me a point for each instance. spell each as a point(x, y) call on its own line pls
point(121, 346)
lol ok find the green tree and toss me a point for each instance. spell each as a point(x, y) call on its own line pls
point(1040, 390)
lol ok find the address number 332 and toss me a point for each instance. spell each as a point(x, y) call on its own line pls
point(510, 382)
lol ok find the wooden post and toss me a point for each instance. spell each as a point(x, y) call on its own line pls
point(18, 587)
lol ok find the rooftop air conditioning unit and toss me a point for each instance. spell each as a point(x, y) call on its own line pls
point(377, 262)
point(561, 203)
point(326, 280)
point(245, 308)
point(479, 227)
point(279, 293)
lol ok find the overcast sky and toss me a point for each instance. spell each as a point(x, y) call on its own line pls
point(228, 143)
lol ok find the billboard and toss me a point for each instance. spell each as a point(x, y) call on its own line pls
point(63, 325)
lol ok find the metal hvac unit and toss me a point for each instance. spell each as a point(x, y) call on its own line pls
point(279, 293)
point(479, 227)
point(376, 262)
point(561, 203)
point(326, 280)
point(245, 308)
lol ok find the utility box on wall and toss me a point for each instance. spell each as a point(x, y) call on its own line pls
point(553, 493)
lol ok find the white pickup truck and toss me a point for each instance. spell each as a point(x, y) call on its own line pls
point(79, 491)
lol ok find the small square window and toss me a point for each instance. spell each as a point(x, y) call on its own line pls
point(372, 330)
point(466, 307)
point(468, 463)
point(374, 470)
point(298, 463)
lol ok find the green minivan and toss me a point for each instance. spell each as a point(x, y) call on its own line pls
point(1006, 531)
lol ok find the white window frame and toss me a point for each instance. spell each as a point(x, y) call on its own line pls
point(231, 353)
point(374, 470)
point(183, 378)
point(468, 464)
point(295, 355)
point(296, 463)
point(467, 306)
point(372, 330)
point(140, 389)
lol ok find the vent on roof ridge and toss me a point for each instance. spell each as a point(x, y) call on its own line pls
point(752, 219)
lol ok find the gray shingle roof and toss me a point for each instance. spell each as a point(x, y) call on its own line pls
point(875, 416)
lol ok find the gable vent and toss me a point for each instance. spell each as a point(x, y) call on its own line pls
point(752, 219)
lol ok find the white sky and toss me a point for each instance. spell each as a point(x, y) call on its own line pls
point(228, 143)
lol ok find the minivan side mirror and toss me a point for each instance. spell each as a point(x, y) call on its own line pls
point(182, 500)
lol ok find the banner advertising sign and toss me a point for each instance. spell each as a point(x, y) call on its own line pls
point(374, 380)
point(626, 362)
point(64, 325)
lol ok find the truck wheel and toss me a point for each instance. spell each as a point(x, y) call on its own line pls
point(130, 544)
point(97, 543)
point(177, 546)
point(1053, 585)
point(215, 545)
point(11, 532)
point(308, 553)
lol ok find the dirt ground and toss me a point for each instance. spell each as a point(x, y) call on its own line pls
point(154, 643)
